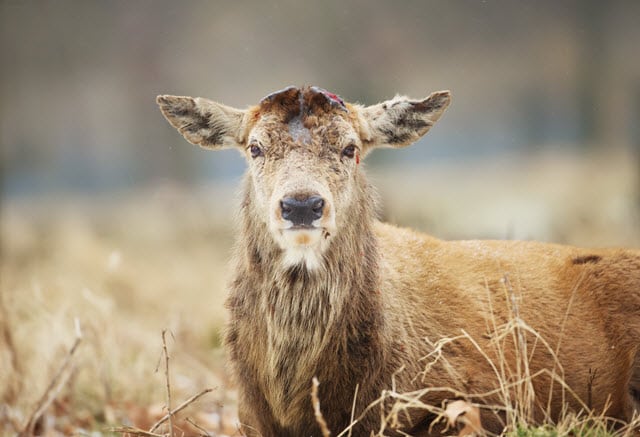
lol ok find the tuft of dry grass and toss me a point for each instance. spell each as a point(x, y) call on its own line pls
point(52, 391)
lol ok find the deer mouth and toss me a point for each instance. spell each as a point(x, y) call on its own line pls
point(303, 245)
point(302, 235)
point(301, 228)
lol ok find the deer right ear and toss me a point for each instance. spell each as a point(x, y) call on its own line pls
point(401, 121)
point(203, 122)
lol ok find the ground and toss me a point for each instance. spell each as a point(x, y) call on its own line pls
point(129, 266)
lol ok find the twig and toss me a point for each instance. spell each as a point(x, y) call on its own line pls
point(316, 409)
point(353, 408)
point(166, 375)
point(206, 433)
point(135, 431)
point(181, 407)
point(56, 384)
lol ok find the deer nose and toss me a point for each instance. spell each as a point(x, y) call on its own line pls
point(302, 212)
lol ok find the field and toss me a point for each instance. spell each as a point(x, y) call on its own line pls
point(129, 266)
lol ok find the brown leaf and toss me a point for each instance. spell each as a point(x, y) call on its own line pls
point(465, 415)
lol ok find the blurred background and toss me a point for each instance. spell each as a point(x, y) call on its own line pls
point(108, 215)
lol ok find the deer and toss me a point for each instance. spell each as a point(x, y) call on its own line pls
point(321, 288)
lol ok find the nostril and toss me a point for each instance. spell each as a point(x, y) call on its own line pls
point(317, 203)
point(285, 207)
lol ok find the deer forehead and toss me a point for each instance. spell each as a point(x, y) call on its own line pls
point(310, 117)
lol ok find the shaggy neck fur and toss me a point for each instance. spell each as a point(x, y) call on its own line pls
point(312, 317)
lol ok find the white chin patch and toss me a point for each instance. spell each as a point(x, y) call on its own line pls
point(303, 246)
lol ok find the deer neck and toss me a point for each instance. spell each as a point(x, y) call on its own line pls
point(310, 317)
point(309, 303)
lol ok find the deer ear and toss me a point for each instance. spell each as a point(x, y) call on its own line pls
point(203, 122)
point(401, 121)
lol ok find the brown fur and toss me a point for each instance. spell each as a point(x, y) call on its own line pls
point(366, 305)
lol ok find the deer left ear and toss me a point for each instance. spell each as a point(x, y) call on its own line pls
point(203, 122)
point(401, 121)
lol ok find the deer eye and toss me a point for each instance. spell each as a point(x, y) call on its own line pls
point(349, 151)
point(255, 151)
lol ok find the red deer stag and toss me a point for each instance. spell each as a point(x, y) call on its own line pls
point(321, 288)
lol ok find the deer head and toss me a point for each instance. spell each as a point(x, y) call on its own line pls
point(303, 147)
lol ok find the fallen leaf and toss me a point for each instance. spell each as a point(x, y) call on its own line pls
point(463, 414)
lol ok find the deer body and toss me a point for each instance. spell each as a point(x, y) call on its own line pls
point(322, 289)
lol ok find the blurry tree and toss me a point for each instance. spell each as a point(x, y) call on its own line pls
point(79, 78)
point(634, 128)
point(592, 65)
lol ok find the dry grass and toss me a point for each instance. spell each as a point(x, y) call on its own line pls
point(516, 401)
point(128, 268)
